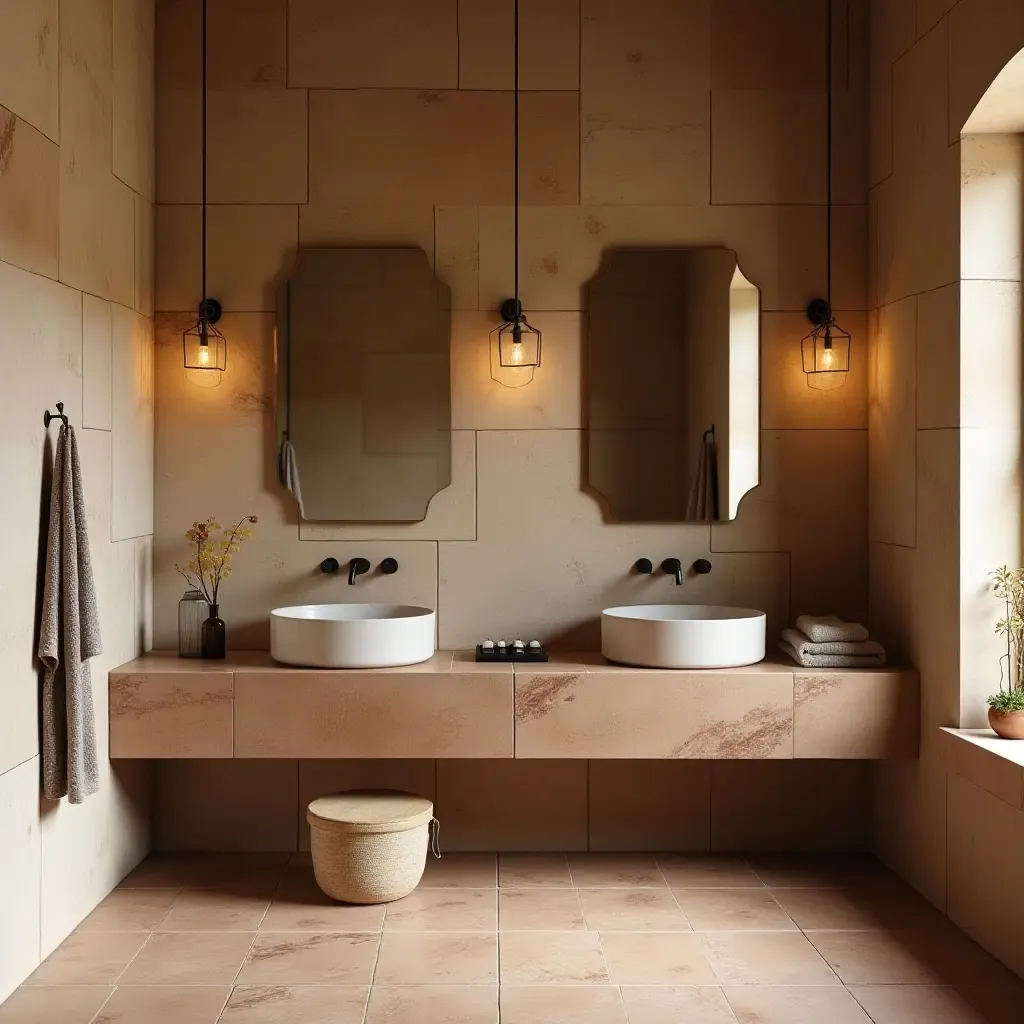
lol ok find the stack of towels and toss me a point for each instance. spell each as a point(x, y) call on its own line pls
point(824, 641)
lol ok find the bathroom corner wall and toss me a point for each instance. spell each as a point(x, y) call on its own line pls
point(76, 285)
point(944, 426)
point(333, 123)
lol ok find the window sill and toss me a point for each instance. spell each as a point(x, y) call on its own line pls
point(981, 757)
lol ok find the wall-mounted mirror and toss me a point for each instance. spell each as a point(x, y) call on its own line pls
point(673, 384)
point(364, 400)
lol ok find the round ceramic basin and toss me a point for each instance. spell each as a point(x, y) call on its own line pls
point(683, 636)
point(352, 635)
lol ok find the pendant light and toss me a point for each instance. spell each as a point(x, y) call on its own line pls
point(204, 348)
point(825, 352)
point(515, 345)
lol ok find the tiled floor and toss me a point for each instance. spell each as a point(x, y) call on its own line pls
point(583, 939)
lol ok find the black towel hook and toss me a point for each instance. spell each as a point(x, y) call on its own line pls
point(58, 415)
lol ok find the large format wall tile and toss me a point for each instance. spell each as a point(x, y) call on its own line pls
point(29, 64)
point(97, 366)
point(133, 127)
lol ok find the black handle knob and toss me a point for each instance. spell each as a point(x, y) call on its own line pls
point(702, 567)
point(389, 566)
point(330, 565)
point(643, 566)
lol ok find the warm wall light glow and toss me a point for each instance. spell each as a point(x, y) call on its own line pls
point(517, 353)
point(204, 354)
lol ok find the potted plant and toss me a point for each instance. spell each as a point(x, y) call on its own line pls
point(208, 568)
point(1006, 708)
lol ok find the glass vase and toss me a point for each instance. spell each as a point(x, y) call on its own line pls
point(214, 635)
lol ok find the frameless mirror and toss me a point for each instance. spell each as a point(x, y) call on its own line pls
point(673, 384)
point(364, 400)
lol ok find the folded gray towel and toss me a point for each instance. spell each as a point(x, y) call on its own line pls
point(69, 635)
point(829, 629)
point(802, 645)
point(832, 660)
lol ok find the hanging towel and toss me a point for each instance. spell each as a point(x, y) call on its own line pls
point(288, 472)
point(703, 504)
point(832, 660)
point(803, 645)
point(829, 629)
point(69, 636)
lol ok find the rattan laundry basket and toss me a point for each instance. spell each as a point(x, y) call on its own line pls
point(370, 845)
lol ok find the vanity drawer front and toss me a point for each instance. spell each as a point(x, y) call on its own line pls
point(361, 714)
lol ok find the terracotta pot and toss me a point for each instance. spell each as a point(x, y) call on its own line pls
point(1007, 724)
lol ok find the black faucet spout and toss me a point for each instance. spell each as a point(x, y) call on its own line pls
point(356, 567)
point(673, 567)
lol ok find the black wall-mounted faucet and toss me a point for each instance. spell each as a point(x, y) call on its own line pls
point(356, 567)
point(673, 567)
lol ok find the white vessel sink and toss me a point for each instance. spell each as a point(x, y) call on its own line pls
point(352, 635)
point(683, 636)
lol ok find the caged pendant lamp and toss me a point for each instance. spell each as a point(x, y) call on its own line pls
point(825, 351)
point(516, 345)
point(204, 348)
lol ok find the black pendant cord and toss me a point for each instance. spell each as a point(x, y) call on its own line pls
point(828, 161)
point(202, 190)
point(515, 150)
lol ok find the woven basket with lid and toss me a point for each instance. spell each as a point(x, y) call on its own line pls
point(369, 845)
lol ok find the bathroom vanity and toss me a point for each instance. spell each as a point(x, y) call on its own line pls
point(576, 706)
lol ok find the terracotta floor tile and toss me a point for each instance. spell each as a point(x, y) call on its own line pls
point(89, 958)
point(300, 905)
point(915, 1004)
point(673, 1004)
point(433, 1004)
point(632, 910)
point(650, 958)
point(765, 958)
point(310, 958)
point(296, 1004)
point(801, 870)
point(189, 958)
point(181, 1004)
point(130, 910)
point(437, 958)
point(615, 870)
point(694, 871)
point(461, 871)
point(59, 1004)
point(714, 910)
point(444, 910)
point(550, 1004)
point(557, 910)
point(876, 958)
point(522, 870)
point(551, 958)
point(829, 908)
point(794, 1004)
point(253, 873)
point(211, 911)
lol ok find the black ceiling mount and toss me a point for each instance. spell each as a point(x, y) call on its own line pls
point(210, 310)
point(818, 311)
point(511, 309)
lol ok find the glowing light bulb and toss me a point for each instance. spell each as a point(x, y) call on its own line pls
point(828, 359)
point(517, 353)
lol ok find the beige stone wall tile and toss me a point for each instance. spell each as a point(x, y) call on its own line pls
point(178, 98)
point(549, 153)
point(990, 365)
point(992, 207)
point(86, 86)
point(790, 805)
point(549, 44)
point(225, 806)
point(145, 256)
point(397, 44)
point(978, 758)
point(333, 220)
point(29, 65)
point(132, 421)
point(451, 514)
point(464, 715)
point(457, 253)
point(650, 805)
point(920, 101)
point(857, 715)
point(250, 251)
point(849, 257)
point(249, 39)
point(171, 715)
point(97, 363)
point(986, 839)
point(787, 403)
point(551, 400)
point(257, 146)
point(769, 146)
point(133, 104)
point(319, 777)
point(892, 600)
point(938, 358)
point(29, 211)
point(19, 884)
point(512, 805)
point(143, 620)
point(665, 715)
point(892, 32)
point(892, 423)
